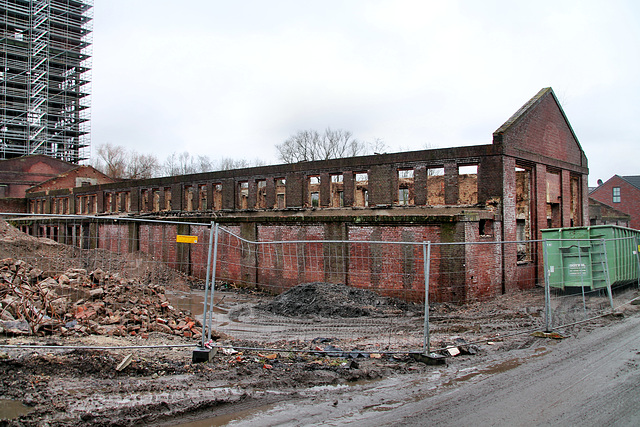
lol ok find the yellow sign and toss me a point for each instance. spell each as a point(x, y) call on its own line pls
point(186, 239)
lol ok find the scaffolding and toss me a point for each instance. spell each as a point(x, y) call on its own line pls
point(45, 78)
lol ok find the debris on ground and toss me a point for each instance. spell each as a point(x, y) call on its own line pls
point(333, 300)
point(78, 302)
point(554, 335)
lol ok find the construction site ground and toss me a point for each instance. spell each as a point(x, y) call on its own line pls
point(101, 365)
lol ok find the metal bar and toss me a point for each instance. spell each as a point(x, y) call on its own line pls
point(582, 273)
point(547, 287)
point(426, 255)
point(213, 277)
point(606, 273)
point(206, 283)
point(638, 257)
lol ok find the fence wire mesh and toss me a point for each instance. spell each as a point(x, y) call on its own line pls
point(587, 278)
point(291, 288)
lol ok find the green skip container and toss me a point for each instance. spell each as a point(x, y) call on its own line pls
point(592, 257)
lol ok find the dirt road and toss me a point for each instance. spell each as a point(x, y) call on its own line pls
point(589, 379)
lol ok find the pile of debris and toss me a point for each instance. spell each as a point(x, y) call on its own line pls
point(78, 302)
point(333, 300)
point(55, 258)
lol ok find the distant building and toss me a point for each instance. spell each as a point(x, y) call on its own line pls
point(44, 83)
point(623, 194)
point(602, 214)
point(43, 174)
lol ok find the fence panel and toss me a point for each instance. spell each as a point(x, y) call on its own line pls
point(587, 278)
point(78, 275)
point(293, 288)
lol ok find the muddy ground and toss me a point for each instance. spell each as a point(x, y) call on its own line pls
point(159, 385)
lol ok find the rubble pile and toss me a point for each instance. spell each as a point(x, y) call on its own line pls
point(333, 300)
point(55, 258)
point(78, 302)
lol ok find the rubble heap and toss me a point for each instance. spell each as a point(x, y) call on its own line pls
point(78, 302)
point(333, 300)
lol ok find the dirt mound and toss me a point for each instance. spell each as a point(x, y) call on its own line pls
point(331, 300)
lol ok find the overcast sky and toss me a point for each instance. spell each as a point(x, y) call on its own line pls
point(235, 78)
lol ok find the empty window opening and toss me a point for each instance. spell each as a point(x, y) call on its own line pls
point(315, 199)
point(118, 202)
point(337, 191)
point(188, 195)
point(523, 212)
point(281, 191)
point(109, 203)
point(406, 187)
point(217, 197)
point(167, 199)
point(468, 184)
point(145, 201)
point(554, 197)
point(243, 195)
point(575, 211)
point(314, 191)
point(202, 197)
point(524, 245)
point(435, 186)
point(127, 201)
point(485, 227)
point(261, 196)
point(156, 200)
point(361, 196)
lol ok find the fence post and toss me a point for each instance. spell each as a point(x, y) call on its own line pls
point(638, 257)
point(426, 255)
point(205, 311)
point(547, 290)
point(213, 277)
point(582, 273)
point(608, 277)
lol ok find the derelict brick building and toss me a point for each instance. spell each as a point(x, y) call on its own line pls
point(532, 176)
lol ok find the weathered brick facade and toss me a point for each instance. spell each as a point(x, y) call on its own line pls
point(628, 196)
point(532, 176)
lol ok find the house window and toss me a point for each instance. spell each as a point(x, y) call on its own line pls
point(616, 194)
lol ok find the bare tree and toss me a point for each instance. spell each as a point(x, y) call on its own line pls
point(308, 145)
point(184, 164)
point(205, 164)
point(142, 166)
point(227, 163)
point(180, 164)
point(112, 160)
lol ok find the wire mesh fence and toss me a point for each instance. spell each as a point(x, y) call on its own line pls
point(586, 278)
point(78, 275)
point(287, 287)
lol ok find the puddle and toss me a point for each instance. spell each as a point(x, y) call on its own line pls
point(493, 369)
point(10, 409)
point(222, 420)
point(194, 301)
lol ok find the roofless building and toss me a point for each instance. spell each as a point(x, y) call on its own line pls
point(44, 78)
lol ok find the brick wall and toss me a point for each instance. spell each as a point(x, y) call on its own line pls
point(629, 198)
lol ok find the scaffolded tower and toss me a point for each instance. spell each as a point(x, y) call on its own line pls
point(44, 78)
